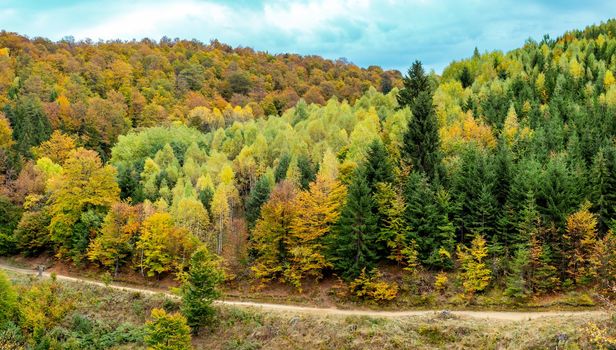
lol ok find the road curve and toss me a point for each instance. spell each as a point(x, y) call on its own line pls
point(493, 315)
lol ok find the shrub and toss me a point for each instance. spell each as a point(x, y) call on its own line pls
point(372, 286)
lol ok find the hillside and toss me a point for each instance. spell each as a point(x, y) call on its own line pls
point(492, 185)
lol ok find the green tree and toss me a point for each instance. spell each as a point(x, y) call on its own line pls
point(353, 242)
point(167, 331)
point(258, 196)
point(29, 122)
point(200, 288)
point(421, 143)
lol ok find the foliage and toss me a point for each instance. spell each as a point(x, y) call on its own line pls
point(371, 286)
point(200, 288)
point(167, 331)
point(475, 274)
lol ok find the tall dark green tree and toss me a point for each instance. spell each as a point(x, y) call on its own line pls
point(421, 143)
point(352, 246)
point(259, 195)
point(281, 170)
point(603, 186)
point(378, 165)
point(307, 170)
point(428, 220)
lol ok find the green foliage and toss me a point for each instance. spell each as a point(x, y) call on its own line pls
point(475, 273)
point(352, 245)
point(200, 289)
point(258, 196)
point(10, 215)
point(167, 331)
point(8, 300)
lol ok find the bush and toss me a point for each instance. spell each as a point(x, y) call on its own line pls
point(167, 331)
point(373, 287)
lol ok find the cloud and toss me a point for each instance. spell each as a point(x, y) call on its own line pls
point(390, 33)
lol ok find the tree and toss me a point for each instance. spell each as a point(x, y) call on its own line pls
point(221, 214)
point(116, 242)
point(393, 230)
point(80, 196)
point(167, 331)
point(6, 133)
point(164, 247)
point(29, 122)
point(200, 288)
point(475, 274)
point(428, 220)
point(318, 209)
point(603, 186)
point(581, 243)
point(352, 244)
point(378, 166)
point(10, 215)
point(8, 300)
point(272, 231)
point(258, 196)
point(281, 169)
point(421, 140)
point(58, 148)
point(466, 79)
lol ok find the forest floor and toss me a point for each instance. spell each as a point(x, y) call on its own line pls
point(496, 315)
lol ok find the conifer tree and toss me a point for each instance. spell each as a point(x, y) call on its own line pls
point(421, 143)
point(258, 196)
point(200, 288)
point(352, 245)
point(475, 274)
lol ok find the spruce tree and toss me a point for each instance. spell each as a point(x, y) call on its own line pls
point(259, 195)
point(378, 166)
point(421, 143)
point(281, 170)
point(603, 186)
point(201, 289)
point(352, 244)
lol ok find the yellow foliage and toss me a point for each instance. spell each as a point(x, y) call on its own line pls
point(372, 286)
point(466, 130)
point(440, 283)
point(475, 275)
point(576, 69)
point(608, 79)
point(4, 52)
point(6, 133)
point(585, 250)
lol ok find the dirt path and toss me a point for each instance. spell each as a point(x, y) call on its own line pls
point(494, 315)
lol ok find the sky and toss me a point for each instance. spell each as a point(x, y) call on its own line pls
point(388, 33)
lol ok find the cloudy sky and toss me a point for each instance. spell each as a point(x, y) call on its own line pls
point(389, 33)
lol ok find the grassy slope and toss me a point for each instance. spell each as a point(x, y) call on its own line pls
point(245, 328)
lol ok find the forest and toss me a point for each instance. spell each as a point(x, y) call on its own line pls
point(499, 174)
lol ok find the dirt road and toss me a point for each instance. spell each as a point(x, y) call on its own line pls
point(494, 315)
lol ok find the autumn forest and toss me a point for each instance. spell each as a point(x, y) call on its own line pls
point(205, 164)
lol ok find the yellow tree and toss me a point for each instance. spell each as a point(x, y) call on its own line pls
point(272, 230)
point(80, 197)
point(164, 247)
point(581, 245)
point(6, 133)
point(115, 243)
point(317, 210)
point(58, 148)
point(221, 214)
point(475, 274)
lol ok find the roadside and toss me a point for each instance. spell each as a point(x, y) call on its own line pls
point(494, 315)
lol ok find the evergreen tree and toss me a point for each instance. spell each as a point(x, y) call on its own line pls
point(421, 143)
point(201, 289)
point(603, 186)
point(29, 122)
point(352, 245)
point(258, 196)
point(465, 77)
point(378, 166)
point(307, 171)
point(281, 170)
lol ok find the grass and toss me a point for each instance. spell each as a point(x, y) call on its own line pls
point(119, 316)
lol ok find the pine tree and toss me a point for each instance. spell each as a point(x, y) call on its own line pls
point(200, 289)
point(421, 143)
point(428, 221)
point(465, 77)
point(378, 166)
point(258, 196)
point(281, 170)
point(352, 244)
point(603, 186)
